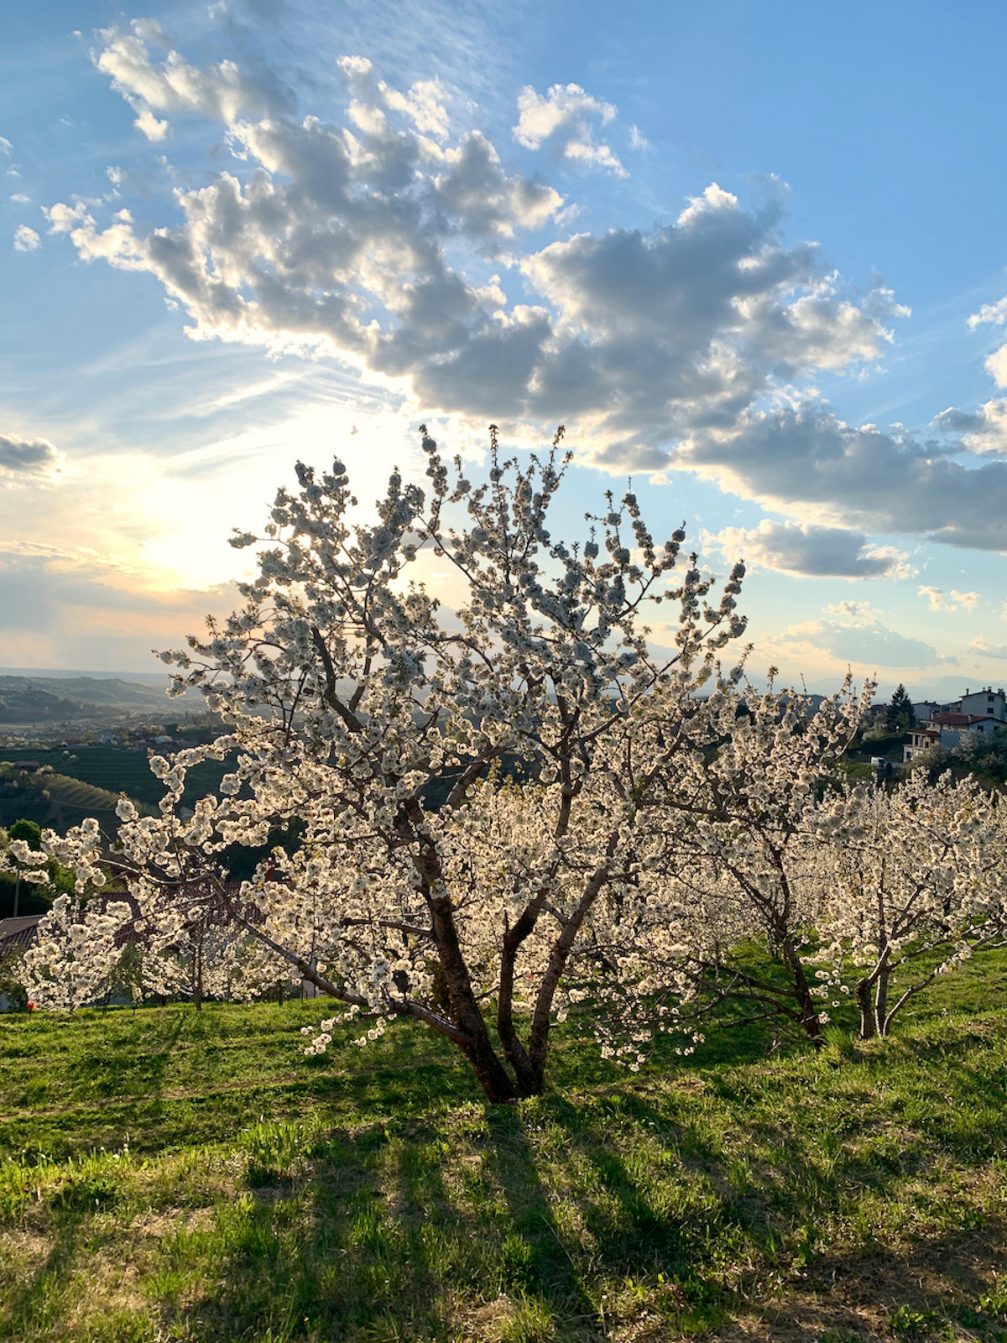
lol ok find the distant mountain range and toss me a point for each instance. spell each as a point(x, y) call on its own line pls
point(53, 697)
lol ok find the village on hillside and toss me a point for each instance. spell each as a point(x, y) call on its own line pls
point(973, 718)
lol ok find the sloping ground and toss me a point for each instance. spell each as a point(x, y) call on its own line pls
point(115, 770)
point(183, 1176)
point(56, 800)
point(47, 699)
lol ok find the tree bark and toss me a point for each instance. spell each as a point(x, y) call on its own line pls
point(868, 1020)
point(881, 1002)
point(810, 1021)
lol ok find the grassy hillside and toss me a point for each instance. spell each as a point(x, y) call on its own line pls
point(168, 1175)
point(56, 800)
point(116, 769)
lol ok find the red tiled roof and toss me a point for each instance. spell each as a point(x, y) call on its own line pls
point(963, 719)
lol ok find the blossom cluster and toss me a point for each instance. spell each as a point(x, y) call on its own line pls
point(530, 808)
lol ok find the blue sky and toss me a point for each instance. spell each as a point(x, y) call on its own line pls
point(751, 255)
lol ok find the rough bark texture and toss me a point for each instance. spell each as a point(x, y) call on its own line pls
point(810, 1021)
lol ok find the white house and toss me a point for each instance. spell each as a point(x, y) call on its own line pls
point(986, 703)
point(951, 730)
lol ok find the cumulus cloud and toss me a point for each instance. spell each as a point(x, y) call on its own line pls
point(173, 87)
point(804, 456)
point(27, 459)
point(816, 552)
point(990, 314)
point(6, 148)
point(952, 600)
point(983, 430)
point(993, 314)
point(26, 239)
point(564, 119)
point(335, 239)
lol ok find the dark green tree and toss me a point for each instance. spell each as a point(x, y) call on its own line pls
point(20, 897)
point(899, 716)
point(29, 831)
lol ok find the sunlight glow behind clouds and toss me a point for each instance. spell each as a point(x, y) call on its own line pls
point(396, 225)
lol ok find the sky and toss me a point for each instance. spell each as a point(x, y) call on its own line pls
point(752, 256)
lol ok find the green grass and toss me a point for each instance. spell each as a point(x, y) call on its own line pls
point(173, 1175)
point(118, 769)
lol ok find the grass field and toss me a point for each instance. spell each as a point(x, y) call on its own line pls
point(168, 1175)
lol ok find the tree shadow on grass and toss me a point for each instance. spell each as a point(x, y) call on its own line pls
point(37, 1303)
point(368, 1243)
point(946, 1286)
point(538, 1257)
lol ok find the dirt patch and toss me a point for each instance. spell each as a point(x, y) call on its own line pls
point(155, 1225)
point(930, 1286)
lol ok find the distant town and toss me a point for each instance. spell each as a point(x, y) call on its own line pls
point(972, 719)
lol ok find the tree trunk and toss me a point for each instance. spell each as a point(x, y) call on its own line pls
point(881, 1002)
point(868, 1020)
point(490, 1073)
point(810, 1021)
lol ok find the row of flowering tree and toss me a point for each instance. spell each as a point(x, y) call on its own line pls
point(520, 804)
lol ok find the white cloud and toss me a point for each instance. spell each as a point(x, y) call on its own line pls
point(6, 148)
point(26, 239)
point(816, 552)
point(853, 612)
point(19, 198)
point(952, 600)
point(175, 88)
point(996, 366)
point(334, 239)
point(983, 430)
point(990, 314)
point(988, 650)
point(27, 459)
point(564, 119)
point(367, 239)
point(993, 314)
point(868, 644)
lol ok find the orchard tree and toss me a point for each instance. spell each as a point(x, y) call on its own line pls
point(913, 884)
point(387, 726)
point(734, 899)
point(76, 953)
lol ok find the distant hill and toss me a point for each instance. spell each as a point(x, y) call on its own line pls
point(157, 679)
point(26, 699)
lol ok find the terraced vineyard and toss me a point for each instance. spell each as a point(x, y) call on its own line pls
point(113, 770)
